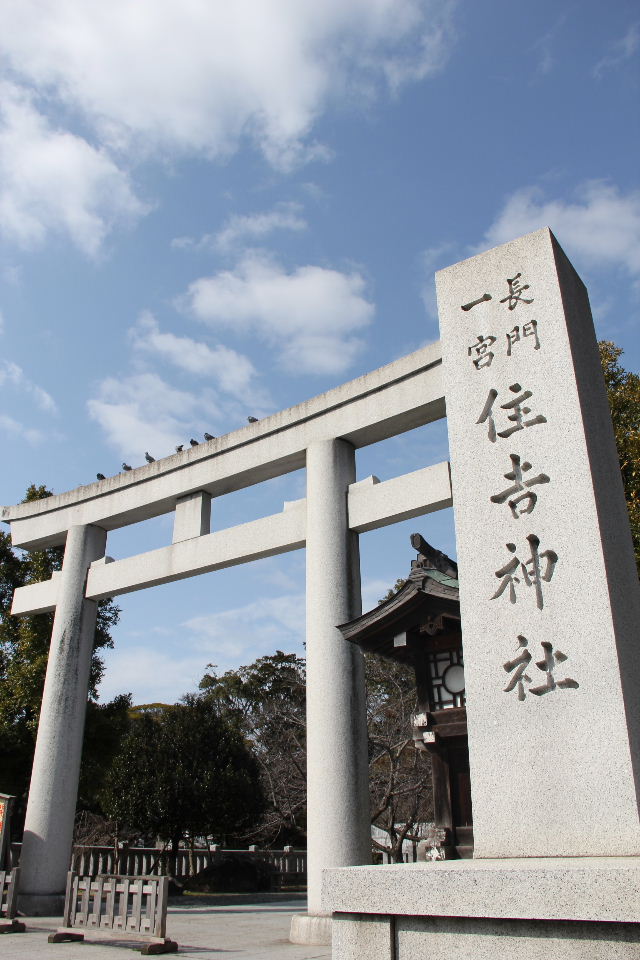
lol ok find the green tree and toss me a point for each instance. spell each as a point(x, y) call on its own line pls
point(183, 771)
point(105, 727)
point(24, 649)
point(391, 592)
point(623, 390)
point(268, 699)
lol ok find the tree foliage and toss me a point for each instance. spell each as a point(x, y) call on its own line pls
point(268, 699)
point(184, 770)
point(391, 592)
point(105, 727)
point(623, 390)
point(399, 775)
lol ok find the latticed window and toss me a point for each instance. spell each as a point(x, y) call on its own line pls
point(446, 679)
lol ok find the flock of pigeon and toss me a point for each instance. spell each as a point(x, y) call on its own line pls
point(179, 448)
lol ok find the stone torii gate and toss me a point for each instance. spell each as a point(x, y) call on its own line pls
point(322, 435)
point(550, 606)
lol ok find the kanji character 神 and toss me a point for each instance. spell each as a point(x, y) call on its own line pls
point(527, 499)
point(516, 289)
point(531, 573)
point(517, 416)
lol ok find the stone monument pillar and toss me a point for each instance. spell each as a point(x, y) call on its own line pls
point(549, 594)
point(338, 827)
point(550, 610)
point(46, 847)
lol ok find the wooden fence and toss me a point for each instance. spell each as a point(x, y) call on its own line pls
point(290, 865)
point(8, 896)
point(127, 908)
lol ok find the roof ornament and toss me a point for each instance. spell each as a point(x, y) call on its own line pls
point(431, 559)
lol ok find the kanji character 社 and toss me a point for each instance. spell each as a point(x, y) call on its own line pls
point(548, 665)
point(519, 666)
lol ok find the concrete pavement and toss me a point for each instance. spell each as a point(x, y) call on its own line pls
point(204, 927)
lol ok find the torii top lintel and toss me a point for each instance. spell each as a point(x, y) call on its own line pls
point(397, 397)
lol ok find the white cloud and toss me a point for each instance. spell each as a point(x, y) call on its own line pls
point(242, 227)
point(543, 48)
point(195, 77)
point(150, 674)
point(189, 243)
point(256, 226)
point(11, 273)
point(164, 79)
point(15, 428)
point(272, 573)
point(51, 180)
point(231, 637)
point(309, 315)
point(315, 192)
point(619, 51)
point(434, 258)
point(12, 374)
point(423, 50)
point(602, 224)
point(232, 371)
point(372, 591)
point(143, 412)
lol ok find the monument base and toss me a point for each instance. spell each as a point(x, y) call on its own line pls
point(569, 909)
point(310, 928)
point(41, 905)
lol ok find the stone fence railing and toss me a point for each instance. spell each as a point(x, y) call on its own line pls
point(290, 865)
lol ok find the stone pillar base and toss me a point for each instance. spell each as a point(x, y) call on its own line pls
point(310, 928)
point(361, 937)
point(576, 908)
point(41, 904)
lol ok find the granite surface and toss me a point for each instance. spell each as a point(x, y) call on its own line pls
point(550, 600)
point(362, 938)
point(461, 939)
point(575, 888)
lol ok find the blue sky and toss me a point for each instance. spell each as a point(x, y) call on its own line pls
point(213, 210)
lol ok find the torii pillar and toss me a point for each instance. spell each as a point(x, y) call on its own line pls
point(338, 824)
point(48, 831)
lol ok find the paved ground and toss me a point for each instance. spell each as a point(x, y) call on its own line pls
point(213, 927)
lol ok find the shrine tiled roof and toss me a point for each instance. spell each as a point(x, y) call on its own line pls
point(426, 594)
point(442, 578)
